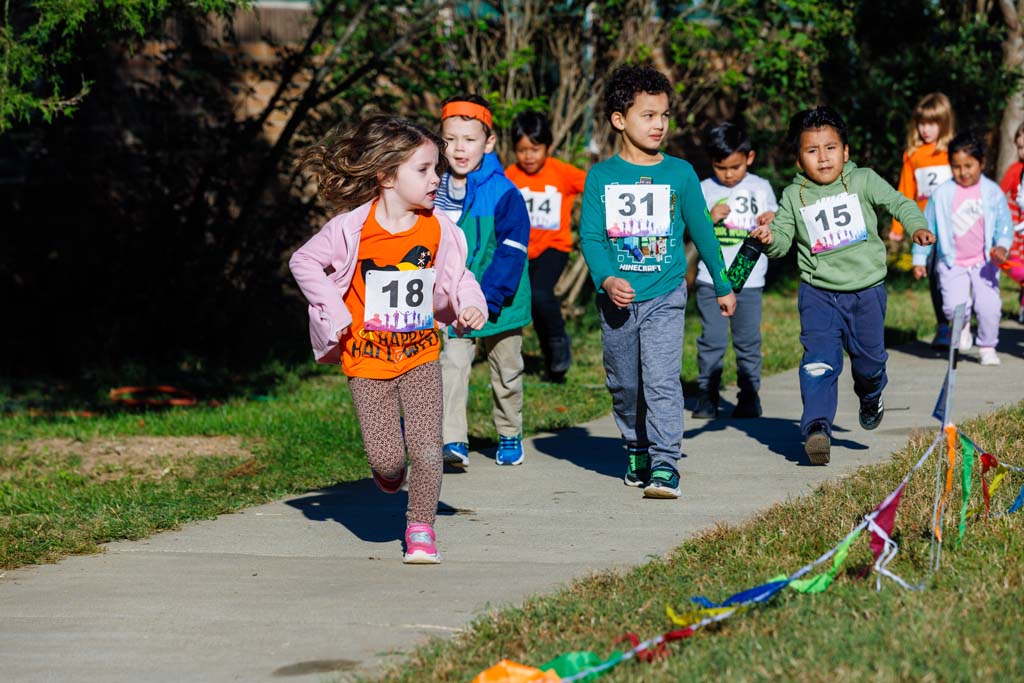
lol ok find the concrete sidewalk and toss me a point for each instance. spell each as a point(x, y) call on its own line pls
point(313, 587)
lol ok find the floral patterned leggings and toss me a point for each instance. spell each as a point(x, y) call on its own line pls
point(415, 394)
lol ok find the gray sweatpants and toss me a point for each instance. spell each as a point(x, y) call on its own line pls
point(714, 340)
point(643, 358)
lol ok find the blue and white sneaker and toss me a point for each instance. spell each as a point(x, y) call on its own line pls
point(510, 451)
point(664, 483)
point(456, 454)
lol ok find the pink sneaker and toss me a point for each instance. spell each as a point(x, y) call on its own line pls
point(389, 485)
point(419, 545)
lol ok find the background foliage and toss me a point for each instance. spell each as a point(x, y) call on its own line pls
point(146, 147)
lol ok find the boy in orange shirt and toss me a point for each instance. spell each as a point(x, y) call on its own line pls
point(550, 187)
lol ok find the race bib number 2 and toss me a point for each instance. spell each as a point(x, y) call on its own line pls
point(834, 222)
point(928, 178)
point(638, 210)
point(545, 208)
point(399, 300)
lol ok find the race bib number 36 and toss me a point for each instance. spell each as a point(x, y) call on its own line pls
point(744, 208)
point(930, 177)
point(834, 222)
point(399, 300)
point(545, 208)
point(638, 210)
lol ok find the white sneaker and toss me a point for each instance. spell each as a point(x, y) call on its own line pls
point(966, 340)
point(988, 355)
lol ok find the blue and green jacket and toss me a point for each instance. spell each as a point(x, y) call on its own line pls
point(497, 228)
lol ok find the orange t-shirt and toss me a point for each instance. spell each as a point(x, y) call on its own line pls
point(923, 170)
point(549, 194)
point(398, 336)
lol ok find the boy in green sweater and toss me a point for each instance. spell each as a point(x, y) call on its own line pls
point(829, 210)
point(636, 207)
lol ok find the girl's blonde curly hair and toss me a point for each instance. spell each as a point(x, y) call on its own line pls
point(350, 162)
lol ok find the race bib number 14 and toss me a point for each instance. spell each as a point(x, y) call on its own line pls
point(638, 210)
point(545, 208)
point(399, 300)
point(834, 222)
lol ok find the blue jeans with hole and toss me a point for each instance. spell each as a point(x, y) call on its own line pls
point(830, 323)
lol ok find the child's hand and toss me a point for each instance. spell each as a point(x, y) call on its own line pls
point(719, 212)
point(922, 237)
point(762, 233)
point(342, 332)
point(472, 317)
point(728, 304)
point(998, 255)
point(619, 290)
point(896, 233)
point(920, 272)
point(766, 218)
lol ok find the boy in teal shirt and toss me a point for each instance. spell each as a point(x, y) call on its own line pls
point(829, 211)
point(636, 207)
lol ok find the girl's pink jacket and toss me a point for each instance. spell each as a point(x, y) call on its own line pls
point(323, 268)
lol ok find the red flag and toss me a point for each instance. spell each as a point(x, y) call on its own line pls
point(988, 461)
point(885, 518)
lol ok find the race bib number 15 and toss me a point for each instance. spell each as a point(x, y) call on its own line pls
point(834, 222)
point(638, 210)
point(399, 300)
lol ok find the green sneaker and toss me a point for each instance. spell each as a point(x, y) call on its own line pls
point(664, 483)
point(638, 471)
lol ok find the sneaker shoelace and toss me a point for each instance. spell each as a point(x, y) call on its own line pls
point(509, 441)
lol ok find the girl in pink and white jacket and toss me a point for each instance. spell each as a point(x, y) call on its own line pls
point(379, 279)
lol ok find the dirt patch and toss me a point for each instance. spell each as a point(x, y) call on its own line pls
point(103, 459)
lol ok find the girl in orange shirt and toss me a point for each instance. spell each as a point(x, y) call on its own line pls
point(550, 187)
point(925, 167)
point(379, 277)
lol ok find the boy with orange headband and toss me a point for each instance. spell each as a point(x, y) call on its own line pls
point(475, 193)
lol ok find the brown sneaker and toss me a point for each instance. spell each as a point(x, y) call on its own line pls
point(818, 445)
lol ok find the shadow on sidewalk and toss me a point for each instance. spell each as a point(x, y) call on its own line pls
point(363, 509)
point(779, 435)
point(600, 454)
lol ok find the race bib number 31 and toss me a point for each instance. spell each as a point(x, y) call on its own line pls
point(930, 177)
point(638, 210)
point(399, 300)
point(834, 222)
point(545, 208)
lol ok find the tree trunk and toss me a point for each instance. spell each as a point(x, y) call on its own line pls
point(1013, 60)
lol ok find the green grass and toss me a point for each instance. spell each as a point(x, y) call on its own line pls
point(298, 425)
point(967, 626)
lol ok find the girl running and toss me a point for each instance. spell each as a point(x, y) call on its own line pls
point(925, 167)
point(971, 220)
point(379, 277)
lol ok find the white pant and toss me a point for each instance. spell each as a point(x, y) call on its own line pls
point(505, 357)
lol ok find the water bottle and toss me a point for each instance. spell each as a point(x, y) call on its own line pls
point(743, 265)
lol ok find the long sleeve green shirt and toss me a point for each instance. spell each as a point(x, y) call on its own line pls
point(653, 265)
point(850, 267)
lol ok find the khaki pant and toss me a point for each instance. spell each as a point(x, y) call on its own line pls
point(505, 357)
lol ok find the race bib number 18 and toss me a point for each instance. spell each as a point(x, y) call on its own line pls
point(638, 210)
point(834, 222)
point(545, 208)
point(399, 300)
